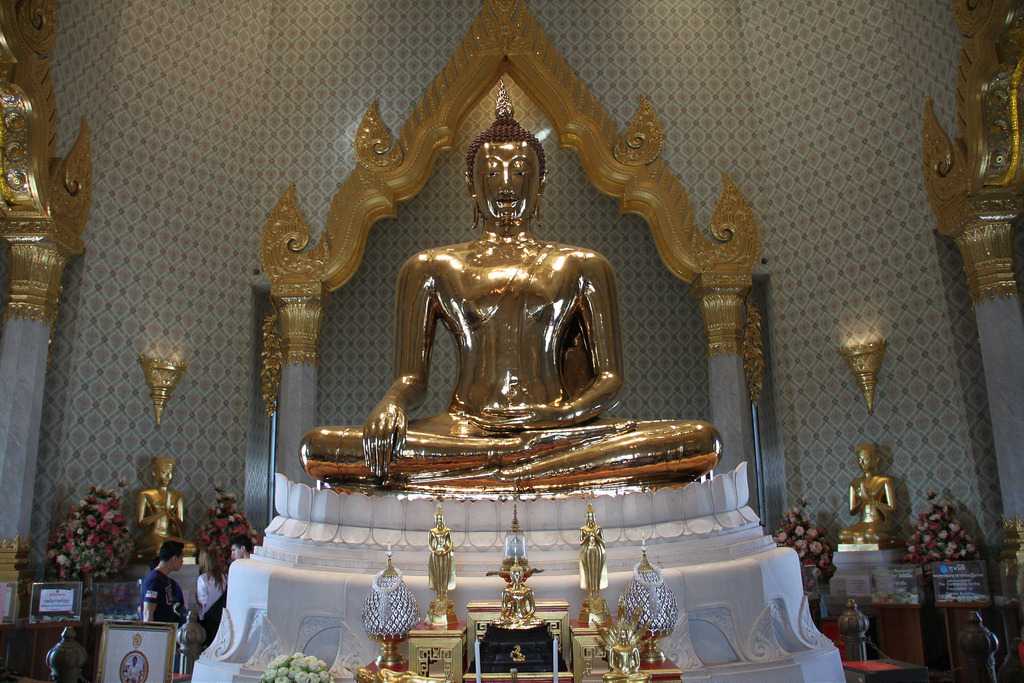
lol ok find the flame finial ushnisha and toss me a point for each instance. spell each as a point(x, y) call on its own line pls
point(503, 104)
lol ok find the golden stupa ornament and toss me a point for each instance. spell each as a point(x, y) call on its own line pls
point(162, 376)
point(865, 359)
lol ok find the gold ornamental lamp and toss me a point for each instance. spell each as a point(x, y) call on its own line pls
point(162, 376)
point(649, 599)
point(865, 359)
point(390, 612)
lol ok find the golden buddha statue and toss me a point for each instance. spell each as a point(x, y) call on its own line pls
point(522, 418)
point(593, 570)
point(518, 606)
point(873, 498)
point(621, 642)
point(441, 572)
point(161, 513)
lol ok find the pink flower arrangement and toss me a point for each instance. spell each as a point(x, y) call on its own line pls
point(799, 533)
point(225, 522)
point(938, 536)
point(93, 540)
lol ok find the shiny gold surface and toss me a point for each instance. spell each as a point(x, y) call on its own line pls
point(987, 251)
point(872, 500)
point(865, 359)
point(300, 318)
point(593, 569)
point(753, 352)
point(518, 606)
point(15, 567)
point(271, 358)
point(504, 38)
point(35, 282)
point(518, 309)
point(722, 307)
point(441, 572)
point(160, 513)
point(977, 178)
point(162, 376)
point(45, 198)
point(621, 641)
point(389, 676)
point(441, 647)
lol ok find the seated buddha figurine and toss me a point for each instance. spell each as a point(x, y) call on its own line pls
point(873, 499)
point(518, 606)
point(161, 513)
point(536, 333)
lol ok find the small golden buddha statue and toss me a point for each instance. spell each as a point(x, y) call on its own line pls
point(518, 606)
point(593, 570)
point(441, 572)
point(872, 498)
point(536, 331)
point(621, 642)
point(161, 513)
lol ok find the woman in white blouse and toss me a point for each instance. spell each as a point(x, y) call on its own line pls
point(211, 592)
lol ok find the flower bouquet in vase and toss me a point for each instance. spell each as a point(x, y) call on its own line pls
point(93, 541)
point(225, 522)
point(939, 536)
point(809, 541)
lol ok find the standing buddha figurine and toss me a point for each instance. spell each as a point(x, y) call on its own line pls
point(873, 499)
point(593, 571)
point(161, 513)
point(441, 572)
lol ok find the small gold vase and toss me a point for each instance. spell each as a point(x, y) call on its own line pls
point(389, 657)
point(650, 648)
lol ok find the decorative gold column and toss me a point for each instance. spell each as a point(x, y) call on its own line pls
point(975, 186)
point(300, 318)
point(43, 212)
point(722, 306)
point(298, 293)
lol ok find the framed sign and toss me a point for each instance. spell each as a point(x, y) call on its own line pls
point(960, 583)
point(136, 652)
point(56, 602)
point(897, 584)
point(116, 600)
point(8, 602)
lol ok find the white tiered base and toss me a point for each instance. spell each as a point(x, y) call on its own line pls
point(743, 618)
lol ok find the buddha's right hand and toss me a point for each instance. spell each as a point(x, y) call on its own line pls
point(384, 436)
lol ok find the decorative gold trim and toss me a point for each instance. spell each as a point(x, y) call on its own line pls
point(981, 169)
point(505, 38)
point(753, 352)
point(721, 299)
point(35, 282)
point(987, 251)
point(641, 142)
point(14, 567)
point(300, 318)
point(44, 200)
point(271, 357)
point(865, 360)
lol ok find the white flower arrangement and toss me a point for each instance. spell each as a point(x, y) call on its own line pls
point(296, 668)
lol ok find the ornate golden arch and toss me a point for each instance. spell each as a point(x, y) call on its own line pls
point(506, 38)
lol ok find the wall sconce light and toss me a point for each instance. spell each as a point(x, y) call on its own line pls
point(162, 375)
point(864, 359)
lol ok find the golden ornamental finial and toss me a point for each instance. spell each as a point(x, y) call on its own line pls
point(503, 105)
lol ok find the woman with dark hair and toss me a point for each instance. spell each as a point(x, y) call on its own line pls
point(211, 592)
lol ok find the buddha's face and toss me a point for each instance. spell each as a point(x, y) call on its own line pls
point(867, 458)
point(163, 472)
point(506, 184)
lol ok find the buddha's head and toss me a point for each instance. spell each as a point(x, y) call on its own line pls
point(591, 519)
point(439, 517)
point(505, 169)
point(163, 470)
point(867, 456)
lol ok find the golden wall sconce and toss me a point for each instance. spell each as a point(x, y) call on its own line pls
point(162, 375)
point(864, 359)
